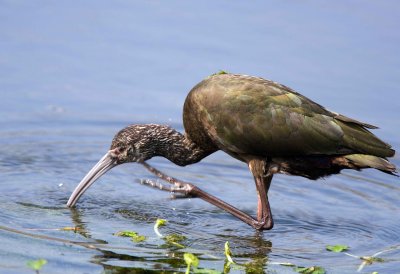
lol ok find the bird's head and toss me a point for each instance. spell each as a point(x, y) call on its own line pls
point(132, 144)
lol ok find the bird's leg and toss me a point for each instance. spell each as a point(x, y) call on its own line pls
point(188, 189)
point(160, 174)
point(178, 188)
point(262, 172)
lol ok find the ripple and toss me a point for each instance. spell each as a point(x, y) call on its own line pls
point(354, 209)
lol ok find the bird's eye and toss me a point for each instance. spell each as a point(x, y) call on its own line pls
point(116, 152)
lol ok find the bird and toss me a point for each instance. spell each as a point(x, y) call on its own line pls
point(267, 125)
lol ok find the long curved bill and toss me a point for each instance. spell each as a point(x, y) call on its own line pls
point(105, 164)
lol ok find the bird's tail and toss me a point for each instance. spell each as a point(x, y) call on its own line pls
point(369, 161)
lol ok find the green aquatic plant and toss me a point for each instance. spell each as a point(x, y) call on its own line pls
point(135, 237)
point(36, 264)
point(191, 261)
point(367, 260)
point(337, 248)
point(159, 222)
point(370, 259)
point(228, 253)
point(171, 239)
point(310, 270)
point(175, 239)
point(254, 266)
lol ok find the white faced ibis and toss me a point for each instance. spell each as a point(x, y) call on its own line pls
point(267, 125)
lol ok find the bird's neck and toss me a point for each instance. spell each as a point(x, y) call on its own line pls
point(177, 148)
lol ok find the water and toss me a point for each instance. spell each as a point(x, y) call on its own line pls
point(72, 75)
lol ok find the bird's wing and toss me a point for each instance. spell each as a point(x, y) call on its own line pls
point(253, 115)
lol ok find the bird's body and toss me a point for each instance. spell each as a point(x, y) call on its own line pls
point(265, 124)
point(248, 116)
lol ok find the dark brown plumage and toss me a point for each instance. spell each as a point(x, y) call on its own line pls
point(267, 125)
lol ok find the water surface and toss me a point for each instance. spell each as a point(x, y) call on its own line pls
point(72, 75)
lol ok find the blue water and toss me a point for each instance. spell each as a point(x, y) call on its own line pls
point(73, 74)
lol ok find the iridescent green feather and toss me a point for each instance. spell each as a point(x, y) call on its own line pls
point(246, 114)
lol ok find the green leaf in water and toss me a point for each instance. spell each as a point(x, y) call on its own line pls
point(175, 238)
point(37, 264)
point(190, 260)
point(135, 237)
point(139, 238)
point(126, 233)
point(310, 270)
point(337, 248)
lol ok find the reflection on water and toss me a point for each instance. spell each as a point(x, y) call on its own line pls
point(72, 76)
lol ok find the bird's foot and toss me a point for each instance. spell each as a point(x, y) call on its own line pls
point(266, 223)
point(178, 190)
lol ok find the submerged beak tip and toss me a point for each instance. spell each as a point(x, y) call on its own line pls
point(70, 204)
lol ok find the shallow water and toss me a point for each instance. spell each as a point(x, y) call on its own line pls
point(72, 76)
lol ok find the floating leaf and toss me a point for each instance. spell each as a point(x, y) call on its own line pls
point(139, 238)
point(190, 260)
point(310, 270)
point(337, 248)
point(131, 234)
point(37, 264)
point(126, 233)
point(175, 238)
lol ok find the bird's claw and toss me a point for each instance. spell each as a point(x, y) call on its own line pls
point(177, 190)
point(266, 223)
